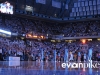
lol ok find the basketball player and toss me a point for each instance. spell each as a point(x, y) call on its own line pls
point(79, 56)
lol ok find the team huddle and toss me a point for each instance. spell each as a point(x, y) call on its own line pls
point(6, 8)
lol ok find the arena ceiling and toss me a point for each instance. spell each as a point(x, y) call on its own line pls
point(60, 10)
point(46, 9)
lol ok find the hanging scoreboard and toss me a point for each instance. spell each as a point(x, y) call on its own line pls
point(6, 8)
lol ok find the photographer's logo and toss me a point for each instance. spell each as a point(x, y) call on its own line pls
point(80, 65)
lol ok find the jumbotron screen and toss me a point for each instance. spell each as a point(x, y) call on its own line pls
point(6, 8)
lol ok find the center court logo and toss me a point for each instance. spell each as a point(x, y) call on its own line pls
point(80, 65)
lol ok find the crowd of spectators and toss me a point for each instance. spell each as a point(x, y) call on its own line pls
point(74, 29)
point(82, 29)
point(32, 51)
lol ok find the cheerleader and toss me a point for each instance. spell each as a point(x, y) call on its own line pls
point(59, 57)
point(42, 53)
point(84, 57)
point(39, 57)
point(54, 55)
point(47, 58)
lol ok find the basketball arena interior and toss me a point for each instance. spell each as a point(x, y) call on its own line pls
point(49, 37)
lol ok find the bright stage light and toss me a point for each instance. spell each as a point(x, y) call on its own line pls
point(6, 32)
point(83, 41)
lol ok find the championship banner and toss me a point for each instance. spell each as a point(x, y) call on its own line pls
point(41, 1)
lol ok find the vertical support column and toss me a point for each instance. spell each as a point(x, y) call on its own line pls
point(90, 68)
point(66, 55)
point(42, 67)
point(90, 54)
point(55, 55)
point(42, 52)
